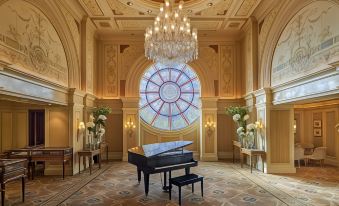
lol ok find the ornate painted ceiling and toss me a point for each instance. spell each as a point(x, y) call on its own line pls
point(134, 15)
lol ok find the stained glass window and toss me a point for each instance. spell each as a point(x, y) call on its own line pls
point(169, 97)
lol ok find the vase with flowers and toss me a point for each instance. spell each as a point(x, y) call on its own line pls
point(245, 132)
point(96, 128)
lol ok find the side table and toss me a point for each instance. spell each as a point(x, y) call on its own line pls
point(251, 153)
point(238, 145)
point(89, 154)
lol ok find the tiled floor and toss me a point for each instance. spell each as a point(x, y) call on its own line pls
point(225, 184)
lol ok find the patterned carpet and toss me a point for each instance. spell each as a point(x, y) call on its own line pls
point(224, 184)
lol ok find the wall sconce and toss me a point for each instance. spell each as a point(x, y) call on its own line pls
point(295, 126)
point(259, 124)
point(130, 126)
point(81, 129)
point(210, 127)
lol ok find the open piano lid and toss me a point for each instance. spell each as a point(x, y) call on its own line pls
point(150, 150)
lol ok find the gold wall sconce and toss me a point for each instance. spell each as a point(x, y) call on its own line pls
point(259, 124)
point(210, 127)
point(81, 129)
point(130, 126)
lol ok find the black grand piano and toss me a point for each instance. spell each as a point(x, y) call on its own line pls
point(161, 157)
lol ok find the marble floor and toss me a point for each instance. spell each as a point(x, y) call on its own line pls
point(224, 184)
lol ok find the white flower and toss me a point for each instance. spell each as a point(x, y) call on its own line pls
point(240, 129)
point(102, 117)
point(251, 133)
point(90, 124)
point(246, 117)
point(91, 118)
point(236, 117)
point(102, 130)
point(242, 134)
point(250, 126)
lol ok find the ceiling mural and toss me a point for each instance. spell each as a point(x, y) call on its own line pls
point(30, 43)
point(309, 42)
point(127, 15)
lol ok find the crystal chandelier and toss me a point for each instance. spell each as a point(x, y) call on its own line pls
point(170, 40)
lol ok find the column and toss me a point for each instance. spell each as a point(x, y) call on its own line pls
point(276, 135)
point(130, 113)
point(208, 139)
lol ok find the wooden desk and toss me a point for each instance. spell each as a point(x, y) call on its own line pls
point(89, 154)
point(238, 145)
point(12, 169)
point(52, 154)
point(251, 153)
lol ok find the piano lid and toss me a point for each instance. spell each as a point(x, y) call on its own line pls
point(150, 150)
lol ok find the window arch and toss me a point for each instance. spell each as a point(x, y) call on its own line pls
point(169, 96)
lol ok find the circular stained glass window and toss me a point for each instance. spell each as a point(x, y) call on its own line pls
point(169, 97)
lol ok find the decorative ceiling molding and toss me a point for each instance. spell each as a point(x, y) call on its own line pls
point(127, 15)
point(93, 7)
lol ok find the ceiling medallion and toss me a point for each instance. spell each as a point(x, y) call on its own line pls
point(171, 40)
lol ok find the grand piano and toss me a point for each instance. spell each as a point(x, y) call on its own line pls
point(161, 157)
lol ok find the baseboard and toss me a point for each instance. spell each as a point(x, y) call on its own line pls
point(209, 157)
point(226, 155)
point(332, 161)
point(280, 168)
point(114, 156)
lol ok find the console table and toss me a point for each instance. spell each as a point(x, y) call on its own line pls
point(235, 144)
point(89, 154)
point(33, 154)
point(12, 169)
point(251, 153)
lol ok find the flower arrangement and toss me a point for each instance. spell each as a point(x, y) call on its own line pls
point(246, 132)
point(96, 126)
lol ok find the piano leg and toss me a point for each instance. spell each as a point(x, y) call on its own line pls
point(187, 170)
point(146, 182)
point(139, 175)
point(165, 187)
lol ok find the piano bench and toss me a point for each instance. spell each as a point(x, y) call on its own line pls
point(186, 180)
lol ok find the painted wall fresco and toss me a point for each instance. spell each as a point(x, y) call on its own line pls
point(29, 41)
point(308, 44)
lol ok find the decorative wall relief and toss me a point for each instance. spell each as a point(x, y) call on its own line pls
point(309, 42)
point(110, 70)
point(89, 56)
point(227, 71)
point(128, 57)
point(30, 43)
point(209, 58)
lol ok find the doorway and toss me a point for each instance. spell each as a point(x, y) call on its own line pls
point(36, 125)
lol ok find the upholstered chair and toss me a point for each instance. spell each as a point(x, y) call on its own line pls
point(319, 154)
point(309, 147)
point(299, 154)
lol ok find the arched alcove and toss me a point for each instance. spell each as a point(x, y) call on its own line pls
point(40, 44)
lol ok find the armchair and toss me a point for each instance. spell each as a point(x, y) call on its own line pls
point(319, 154)
point(299, 154)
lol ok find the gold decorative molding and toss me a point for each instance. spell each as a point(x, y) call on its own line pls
point(227, 73)
point(110, 83)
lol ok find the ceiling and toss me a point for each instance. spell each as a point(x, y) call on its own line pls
point(136, 15)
